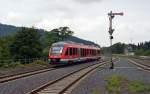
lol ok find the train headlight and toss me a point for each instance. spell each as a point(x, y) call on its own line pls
point(49, 60)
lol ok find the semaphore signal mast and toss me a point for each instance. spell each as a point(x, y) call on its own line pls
point(111, 15)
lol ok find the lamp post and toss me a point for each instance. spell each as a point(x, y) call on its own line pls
point(111, 15)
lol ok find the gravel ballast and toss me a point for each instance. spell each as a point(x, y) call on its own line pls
point(96, 82)
point(26, 84)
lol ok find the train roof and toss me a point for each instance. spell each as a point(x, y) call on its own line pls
point(70, 43)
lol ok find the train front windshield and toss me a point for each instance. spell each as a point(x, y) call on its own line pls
point(56, 50)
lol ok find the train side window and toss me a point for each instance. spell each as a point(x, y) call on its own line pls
point(83, 52)
point(79, 51)
point(87, 51)
point(70, 50)
point(98, 52)
point(73, 51)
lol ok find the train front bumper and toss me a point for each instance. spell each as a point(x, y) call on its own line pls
point(57, 61)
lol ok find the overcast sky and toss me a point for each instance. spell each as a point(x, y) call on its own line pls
point(87, 18)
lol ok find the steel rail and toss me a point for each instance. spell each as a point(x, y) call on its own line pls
point(22, 75)
point(26, 74)
point(141, 66)
point(50, 83)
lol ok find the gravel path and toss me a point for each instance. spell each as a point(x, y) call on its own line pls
point(24, 85)
point(95, 83)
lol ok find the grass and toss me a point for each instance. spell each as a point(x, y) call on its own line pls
point(11, 65)
point(19, 64)
point(113, 84)
point(94, 91)
point(138, 87)
point(39, 62)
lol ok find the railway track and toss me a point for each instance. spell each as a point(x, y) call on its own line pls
point(17, 76)
point(61, 85)
point(142, 66)
point(26, 74)
point(144, 61)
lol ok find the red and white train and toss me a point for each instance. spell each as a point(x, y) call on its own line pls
point(70, 52)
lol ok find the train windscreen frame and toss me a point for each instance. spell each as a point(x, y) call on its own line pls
point(56, 50)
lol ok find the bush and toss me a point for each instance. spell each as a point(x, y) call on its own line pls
point(39, 62)
point(11, 65)
point(147, 53)
point(139, 52)
point(46, 51)
point(142, 52)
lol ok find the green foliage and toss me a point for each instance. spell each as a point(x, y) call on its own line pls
point(118, 48)
point(7, 30)
point(139, 52)
point(94, 91)
point(46, 51)
point(62, 32)
point(105, 50)
point(113, 84)
point(58, 34)
point(4, 47)
point(138, 87)
point(19, 64)
point(40, 62)
point(142, 52)
point(144, 45)
point(26, 44)
point(50, 38)
point(11, 65)
point(143, 49)
point(147, 53)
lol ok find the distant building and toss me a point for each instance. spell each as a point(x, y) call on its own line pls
point(129, 51)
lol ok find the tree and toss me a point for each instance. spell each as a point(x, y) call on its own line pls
point(4, 47)
point(118, 48)
point(26, 44)
point(143, 48)
point(62, 32)
point(57, 34)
